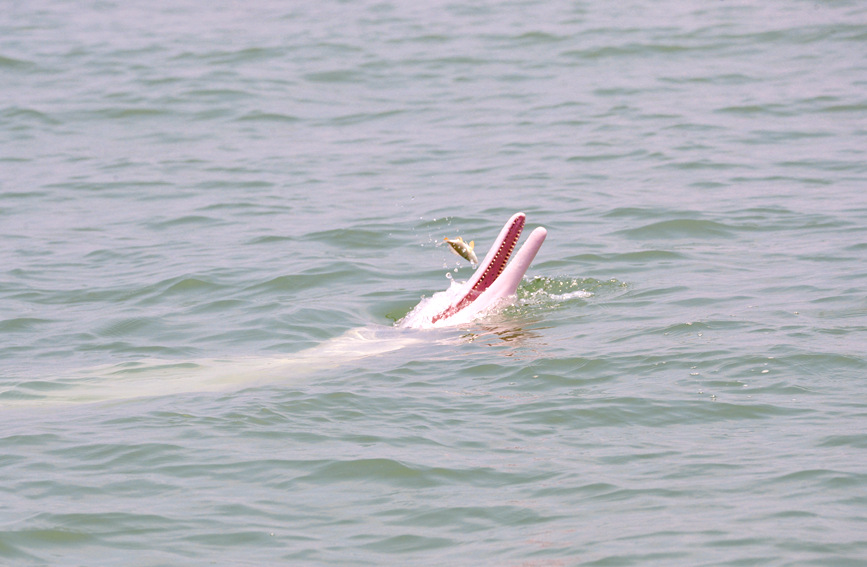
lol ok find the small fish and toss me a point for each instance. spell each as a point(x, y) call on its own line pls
point(462, 249)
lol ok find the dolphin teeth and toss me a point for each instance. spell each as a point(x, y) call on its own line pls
point(491, 270)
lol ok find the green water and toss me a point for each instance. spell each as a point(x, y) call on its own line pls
point(213, 214)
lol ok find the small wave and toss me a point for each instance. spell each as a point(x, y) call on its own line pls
point(335, 76)
point(184, 221)
point(319, 277)
point(128, 326)
point(19, 116)
point(352, 238)
point(358, 118)
point(21, 324)
point(131, 112)
point(537, 38)
point(225, 57)
point(13, 63)
point(177, 286)
point(679, 228)
point(259, 116)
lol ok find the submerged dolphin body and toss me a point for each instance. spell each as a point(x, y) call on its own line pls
point(493, 282)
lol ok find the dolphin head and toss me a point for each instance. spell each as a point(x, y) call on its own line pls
point(493, 282)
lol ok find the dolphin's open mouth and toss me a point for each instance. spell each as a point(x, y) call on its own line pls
point(494, 283)
point(492, 266)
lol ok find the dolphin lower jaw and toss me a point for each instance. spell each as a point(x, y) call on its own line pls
point(496, 278)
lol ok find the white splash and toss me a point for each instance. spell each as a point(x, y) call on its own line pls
point(421, 316)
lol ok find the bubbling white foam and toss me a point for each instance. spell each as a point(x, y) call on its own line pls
point(421, 316)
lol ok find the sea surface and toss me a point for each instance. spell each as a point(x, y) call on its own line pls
point(214, 215)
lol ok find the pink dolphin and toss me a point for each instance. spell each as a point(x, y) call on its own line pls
point(494, 282)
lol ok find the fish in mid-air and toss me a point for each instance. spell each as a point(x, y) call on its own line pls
point(463, 249)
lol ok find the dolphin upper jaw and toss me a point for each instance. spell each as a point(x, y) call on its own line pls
point(494, 282)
